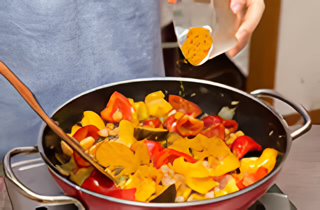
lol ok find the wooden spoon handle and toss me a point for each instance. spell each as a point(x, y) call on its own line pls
point(31, 100)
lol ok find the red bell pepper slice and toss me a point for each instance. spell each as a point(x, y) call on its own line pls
point(214, 130)
point(118, 102)
point(240, 184)
point(99, 183)
point(169, 155)
point(82, 133)
point(161, 156)
point(232, 125)
point(249, 179)
point(253, 178)
point(154, 148)
point(153, 123)
point(213, 127)
point(170, 123)
point(189, 126)
point(80, 161)
point(86, 131)
point(182, 105)
point(243, 144)
point(211, 120)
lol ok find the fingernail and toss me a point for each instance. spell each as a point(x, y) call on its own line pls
point(236, 8)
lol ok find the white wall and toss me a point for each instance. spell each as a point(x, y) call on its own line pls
point(298, 60)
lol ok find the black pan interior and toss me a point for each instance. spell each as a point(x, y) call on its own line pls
point(254, 119)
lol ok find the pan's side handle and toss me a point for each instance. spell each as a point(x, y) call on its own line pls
point(46, 200)
point(273, 94)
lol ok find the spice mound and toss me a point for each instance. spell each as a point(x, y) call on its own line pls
point(197, 45)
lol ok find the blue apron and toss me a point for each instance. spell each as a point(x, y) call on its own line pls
point(60, 48)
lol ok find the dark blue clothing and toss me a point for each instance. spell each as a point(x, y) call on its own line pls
point(60, 48)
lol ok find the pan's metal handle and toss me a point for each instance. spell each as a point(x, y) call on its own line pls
point(306, 119)
point(47, 200)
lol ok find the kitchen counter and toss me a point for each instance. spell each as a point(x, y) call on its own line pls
point(299, 178)
point(300, 175)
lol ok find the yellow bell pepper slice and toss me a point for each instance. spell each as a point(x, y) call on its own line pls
point(267, 160)
point(200, 155)
point(156, 104)
point(231, 185)
point(172, 137)
point(216, 147)
point(220, 160)
point(135, 118)
point(81, 175)
point(141, 152)
point(184, 144)
point(126, 132)
point(92, 118)
point(74, 129)
point(183, 191)
point(197, 169)
point(220, 193)
point(141, 110)
point(143, 182)
point(195, 197)
point(221, 167)
point(200, 185)
point(146, 188)
point(117, 157)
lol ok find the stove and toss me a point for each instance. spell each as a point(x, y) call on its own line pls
point(33, 173)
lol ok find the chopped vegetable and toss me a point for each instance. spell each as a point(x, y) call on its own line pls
point(153, 123)
point(86, 131)
point(92, 118)
point(266, 160)
point(189, 126)
point(182, 105)
point(243, 144)
point(158, 151)
point(98, 183)
point(141, 110)
point(66, 148)
point(227, 113)
point(169, 155)
point(126, 133)
point(155, 134)
point(156, 104)
point(118, 108)
point(87, 142)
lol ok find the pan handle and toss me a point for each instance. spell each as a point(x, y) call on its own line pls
point(306, 119)
point(47, 200)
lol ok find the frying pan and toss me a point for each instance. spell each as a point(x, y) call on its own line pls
point(255, 118)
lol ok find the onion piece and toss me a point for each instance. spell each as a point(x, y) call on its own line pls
point(227, 113)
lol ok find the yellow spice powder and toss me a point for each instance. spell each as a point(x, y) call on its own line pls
point(197, 45)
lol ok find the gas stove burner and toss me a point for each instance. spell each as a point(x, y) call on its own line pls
point(33, 173)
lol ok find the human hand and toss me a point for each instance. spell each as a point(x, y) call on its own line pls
point(249, 13)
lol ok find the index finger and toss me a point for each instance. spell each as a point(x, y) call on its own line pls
point(255, 9)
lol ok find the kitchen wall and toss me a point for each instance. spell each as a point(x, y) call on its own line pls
point(297, 74)
point(284, 53)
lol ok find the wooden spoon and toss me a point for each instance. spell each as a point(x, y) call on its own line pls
point(31, 100)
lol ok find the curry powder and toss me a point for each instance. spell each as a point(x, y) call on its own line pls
point(197, 45)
